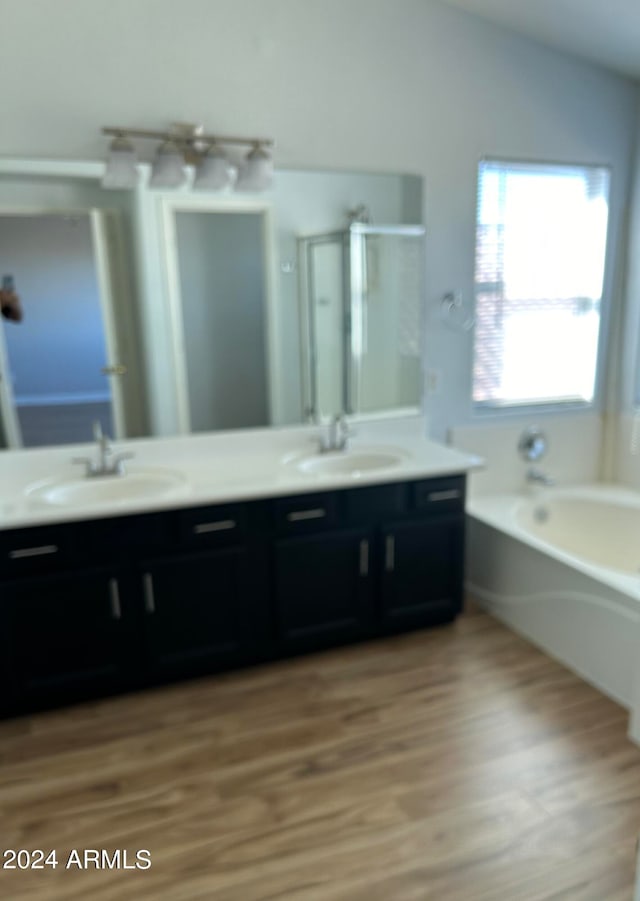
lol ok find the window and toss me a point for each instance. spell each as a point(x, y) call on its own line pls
point(540, 255)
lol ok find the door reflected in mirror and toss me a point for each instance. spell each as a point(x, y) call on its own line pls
point(55, 363)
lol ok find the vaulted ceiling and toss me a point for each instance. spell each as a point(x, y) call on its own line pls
point(606, 32)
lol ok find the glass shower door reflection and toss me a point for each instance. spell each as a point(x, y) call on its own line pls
point(387, 292)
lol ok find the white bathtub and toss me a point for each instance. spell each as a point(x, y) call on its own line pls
point(562, 567)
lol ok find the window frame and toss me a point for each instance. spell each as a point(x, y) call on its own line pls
point(490, 409)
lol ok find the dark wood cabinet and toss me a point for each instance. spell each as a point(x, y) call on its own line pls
point(90, 608)
point(65, 636)
point(421, 563)
point(323, 589)
point(204, 611)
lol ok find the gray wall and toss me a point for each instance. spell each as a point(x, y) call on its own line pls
point(396, 85)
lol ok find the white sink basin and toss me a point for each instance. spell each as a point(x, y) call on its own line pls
point(353, 463)
point(141, 485)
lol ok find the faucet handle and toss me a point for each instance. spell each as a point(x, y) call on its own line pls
point(119, 460)
point(343, 431)
point(87, 462)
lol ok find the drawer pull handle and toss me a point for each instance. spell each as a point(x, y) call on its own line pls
point(301, 515)
point(149, 596)
point(42, 551)
point(114, 598)
point(390, 553)
point(364, 558)
point(222, 525)
point(451, 495)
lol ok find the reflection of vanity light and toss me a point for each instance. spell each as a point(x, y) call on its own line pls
point(121, 171)
point(256, 173)
point(186, 145)
point(214, 171)
point(168, 167)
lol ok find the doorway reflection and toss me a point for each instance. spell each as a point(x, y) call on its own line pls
point(53, 364)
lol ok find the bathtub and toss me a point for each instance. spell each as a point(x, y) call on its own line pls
point(561, 566)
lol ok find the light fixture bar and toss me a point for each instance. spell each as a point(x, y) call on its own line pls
point(180, 137)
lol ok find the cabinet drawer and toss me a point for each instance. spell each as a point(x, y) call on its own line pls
point(439, 495)
point(211, 527)
point(306, 513)
point(33, 551)
point(366, 505)
point(101, 540)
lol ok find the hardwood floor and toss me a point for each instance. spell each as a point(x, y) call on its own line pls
point(458, 764)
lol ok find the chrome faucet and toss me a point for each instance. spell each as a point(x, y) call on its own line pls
point(337, 435)
point(104, 464)
point(537, 477)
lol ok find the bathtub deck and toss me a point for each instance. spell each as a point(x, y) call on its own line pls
point(458, 764)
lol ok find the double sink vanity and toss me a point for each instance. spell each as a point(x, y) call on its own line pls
point(219, 550)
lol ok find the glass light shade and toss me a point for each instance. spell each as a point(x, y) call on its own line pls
point(256, 174)
point(168, 167)
point(214, 171)
point(121, 170)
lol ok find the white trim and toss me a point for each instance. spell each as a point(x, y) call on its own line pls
point(168, 204)
point(178, 364)
point(90, 169)
point(273, 335)
point(8, 414)
point(98, 220)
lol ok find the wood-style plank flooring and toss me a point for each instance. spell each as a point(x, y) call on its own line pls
point(458, 764)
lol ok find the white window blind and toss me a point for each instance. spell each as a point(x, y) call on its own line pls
point(540, 256)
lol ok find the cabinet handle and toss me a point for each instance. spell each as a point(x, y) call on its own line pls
point(390, 553)
point(114, 599)
point(364, 558)
point(222, 525)
point(149, 596)
point(300, 515)
point(33, 551)
point(450, 495)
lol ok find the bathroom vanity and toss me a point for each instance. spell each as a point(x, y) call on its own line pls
point(99, 598)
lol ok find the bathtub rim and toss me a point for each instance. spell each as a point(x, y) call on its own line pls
point(500, 512)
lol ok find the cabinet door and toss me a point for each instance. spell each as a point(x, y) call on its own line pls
point(205, 611)
point(323, 589)
point(422, 571)
point(65, 635)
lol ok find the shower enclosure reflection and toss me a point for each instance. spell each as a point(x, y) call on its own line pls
point(362, 297)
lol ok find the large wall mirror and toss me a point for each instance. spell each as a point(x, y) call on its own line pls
point(161, 313)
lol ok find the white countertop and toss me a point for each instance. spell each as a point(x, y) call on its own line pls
point(218, 467)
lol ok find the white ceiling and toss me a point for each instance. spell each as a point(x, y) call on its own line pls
point(602, 31)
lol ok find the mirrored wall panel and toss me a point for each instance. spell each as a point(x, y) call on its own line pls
point(164, 312)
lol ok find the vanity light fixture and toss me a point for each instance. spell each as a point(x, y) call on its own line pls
point(256, 173)
point(121, 171)
point(187, 145)
point(214, 171)
point(168, 169)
